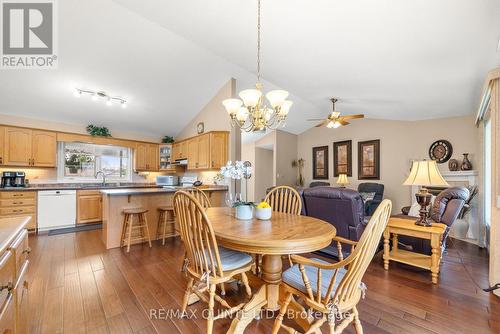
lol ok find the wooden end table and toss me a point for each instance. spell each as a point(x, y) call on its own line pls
point(403, 226)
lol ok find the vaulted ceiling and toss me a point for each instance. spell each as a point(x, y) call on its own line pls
point(394, 59)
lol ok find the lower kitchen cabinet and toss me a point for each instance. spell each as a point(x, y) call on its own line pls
point(89, 206)
point(19, 204)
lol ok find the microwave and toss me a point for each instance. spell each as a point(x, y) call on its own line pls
point(167, 180)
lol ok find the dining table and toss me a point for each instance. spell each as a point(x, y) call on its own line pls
point(282, 234)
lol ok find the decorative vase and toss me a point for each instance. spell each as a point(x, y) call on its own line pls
point(263, 213)
point(453, 165)
point(244, 212)
point(466, 164)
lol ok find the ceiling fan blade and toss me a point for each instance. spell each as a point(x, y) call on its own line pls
point(352, 116)
point(322, 123)
point(343, 122)
point(315, 119)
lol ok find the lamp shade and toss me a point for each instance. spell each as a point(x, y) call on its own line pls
point(425, 173)
point(277, 97)
point(250, 97)
point(232, 105)
point(285, 107)
point(342, 179)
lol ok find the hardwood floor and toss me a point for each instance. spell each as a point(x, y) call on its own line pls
point(79, 287)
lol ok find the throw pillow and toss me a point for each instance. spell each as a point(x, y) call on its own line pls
point(367, 196)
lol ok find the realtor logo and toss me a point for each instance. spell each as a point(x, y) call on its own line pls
point(28, 34)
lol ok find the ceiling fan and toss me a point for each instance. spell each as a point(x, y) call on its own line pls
point(334, 120)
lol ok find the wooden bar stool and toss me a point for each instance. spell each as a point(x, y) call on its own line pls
point(166, 223)
point(129, 227)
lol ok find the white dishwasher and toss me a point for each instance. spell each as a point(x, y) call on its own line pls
point(56, 209)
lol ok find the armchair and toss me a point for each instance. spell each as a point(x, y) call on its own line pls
point(372, 204)
point(341, 207)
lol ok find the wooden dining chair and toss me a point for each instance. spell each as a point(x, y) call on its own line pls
point(200, 196)
point(208, 264)
point(284, 199)
point(333, 289)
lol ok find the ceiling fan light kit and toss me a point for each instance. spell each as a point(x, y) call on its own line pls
point(335, 120)
point(250, 112)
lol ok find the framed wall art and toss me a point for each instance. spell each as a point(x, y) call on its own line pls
point(369, 160)
point(320, 163)
point(342, 158)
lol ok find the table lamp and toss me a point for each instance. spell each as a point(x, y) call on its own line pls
point(342, 180)
point(424, 173)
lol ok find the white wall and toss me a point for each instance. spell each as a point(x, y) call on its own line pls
point(400, 141)
point(285, 153)
point(264, 161)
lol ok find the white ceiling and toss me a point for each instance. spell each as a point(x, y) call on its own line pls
point(394, 59)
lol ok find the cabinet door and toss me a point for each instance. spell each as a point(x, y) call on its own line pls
point(153, 157)
point(8, 320)
point(2, 145)
point(17, 148)
point(218, 149)
point(140, 157)
point(44, 148)
point(21, 300)
point(89, 209)
point(203, 152)
point(192, 148)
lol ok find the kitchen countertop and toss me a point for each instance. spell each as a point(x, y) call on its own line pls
point(141, 191)
point(9, 229)
point(81, 186)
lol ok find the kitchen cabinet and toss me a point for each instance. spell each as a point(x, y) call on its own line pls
point(44, 148)
point(19, 204)
point(89, 206)
point(218, 149)
point(26, 147)
point(208, 151)
point(180, 150)
point(146, 157)
point(166, 158)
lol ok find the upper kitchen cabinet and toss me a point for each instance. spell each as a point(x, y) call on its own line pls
point(180, 150)
point(208, 151)
point(146, 157)
point(26, 147)
point(44, 148)
point(219, 149)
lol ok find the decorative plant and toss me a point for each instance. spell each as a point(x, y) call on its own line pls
point(100, 131)
point(300, 165)
point(167, 140)
point(237, 171)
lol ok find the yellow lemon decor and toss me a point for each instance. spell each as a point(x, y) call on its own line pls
point(263, 205)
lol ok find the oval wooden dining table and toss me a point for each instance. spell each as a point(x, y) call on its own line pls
point(283, 234)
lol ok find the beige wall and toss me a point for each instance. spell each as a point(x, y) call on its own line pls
point(285, 153)
point(400, 142)
point(264, 160)
point(248, 187)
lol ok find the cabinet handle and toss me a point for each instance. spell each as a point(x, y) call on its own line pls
point(1, 160)
point(26, 251)
point(19, 203)
point(17, 195)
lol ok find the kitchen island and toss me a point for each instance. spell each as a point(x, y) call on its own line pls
point(115, 200)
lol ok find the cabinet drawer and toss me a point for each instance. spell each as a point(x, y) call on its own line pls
point(7, 277)
point(96, 192)
point(7, 315)
point(17, 210)
point(20, 251)
point(17, 194)
point(17, 202)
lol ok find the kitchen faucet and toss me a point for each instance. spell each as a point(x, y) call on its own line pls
point(103, 177)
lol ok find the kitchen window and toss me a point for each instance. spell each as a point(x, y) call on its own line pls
point(81, 161)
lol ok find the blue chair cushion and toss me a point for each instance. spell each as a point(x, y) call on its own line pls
point(232, 260)
point(293, 277)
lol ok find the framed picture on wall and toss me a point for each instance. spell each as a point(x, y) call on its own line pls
point(342, 158)
point(369, 160)
point(320, 163)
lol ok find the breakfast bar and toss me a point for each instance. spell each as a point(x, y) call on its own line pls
point(114, 201)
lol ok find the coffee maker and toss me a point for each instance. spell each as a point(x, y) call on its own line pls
point(13, 179)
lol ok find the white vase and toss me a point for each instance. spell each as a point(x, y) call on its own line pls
point(244, 212)
point(460, 229)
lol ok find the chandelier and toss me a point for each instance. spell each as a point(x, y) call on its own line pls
point(250, 112)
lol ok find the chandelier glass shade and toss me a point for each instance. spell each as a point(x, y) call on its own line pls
point(251, 112)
